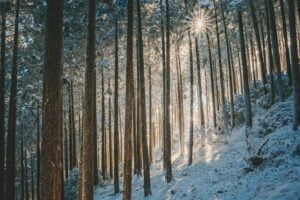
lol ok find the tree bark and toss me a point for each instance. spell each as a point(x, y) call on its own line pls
point(11, 130)
point(245, 72)
point(295, 65)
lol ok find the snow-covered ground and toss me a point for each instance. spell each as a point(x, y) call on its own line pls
point(222, 171)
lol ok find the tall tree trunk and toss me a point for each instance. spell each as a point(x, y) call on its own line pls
point(147, 184)
point(73, 127)
point(230, 67)
point(275, 47)
point(270, 57)
point(32, 179)
point(2, 101)
point(22, 168)
point(260, 52)
point(70, 127)
point(26, 177)
point(245, 73)
point(199, 82)
point(103, 149)
point(224, 106)
point(295, 65)
point(38, 155)
point(66, 155)
point(151, 132)
point(96, 177)
point(110, 133)
point(286, 45)
point(116, 109)
point(212, 82)
point(11, 130)
point(88, 116)
point(167, 109)
point(128, 109)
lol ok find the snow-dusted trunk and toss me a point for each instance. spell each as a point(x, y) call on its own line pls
point(103, 136)
point(110, 133)
point(199, 82)
point(295, 65)
point(245, 72)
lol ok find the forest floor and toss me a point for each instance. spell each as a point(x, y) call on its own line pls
point(222, 170)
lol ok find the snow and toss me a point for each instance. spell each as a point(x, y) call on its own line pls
point(220, 169)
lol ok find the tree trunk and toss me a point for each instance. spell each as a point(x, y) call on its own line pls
point(151, 132)
point(245, 73)
point(212, 82)
point(295, 65)
point(32, 180)
point(116, 109)
point(26, 177)
point(275, 47)
point(110, 133)
point(2, 103)
point(129, 99)
point(260, 52)
point(11, 130)
point(96, 177)
point(22, 167)
point(286, 45)
point(103, 149)
point(88, 116)
point(38, 155)
point(147, 184)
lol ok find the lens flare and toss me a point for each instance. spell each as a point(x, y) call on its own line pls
point(199, 22)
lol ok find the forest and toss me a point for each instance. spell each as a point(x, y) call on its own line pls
point(150, 99)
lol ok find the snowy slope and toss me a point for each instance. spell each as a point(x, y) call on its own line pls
point(219, 169)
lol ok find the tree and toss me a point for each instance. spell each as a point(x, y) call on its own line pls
point(167, 139)
point(38, 154)
point(88, 117)
point(275, 48)
point(116, 108)
point(110, 132)
point(295, 66)
point(51, 157)
point(11, 130)
point(2, 98)
point(128, 108)
point(103, 149)
point(245, 72)
point(147, 184)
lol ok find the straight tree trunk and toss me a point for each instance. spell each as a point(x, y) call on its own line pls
point(286, 45)
point(151, 132)
point(116, 109)
point(88, 116)
point(96, 178)
point(295, 65)
point(2, 101)
point(275, 48)
point(245, 73)
point(270, 57)
point(147, 183)
point(212, 82)
point(167, 110)
point(66, 155)
point(224, 107)
point(128, 109)
point(38, 154)
point(32, 179)
point(260, 52)
point(199, 82)
point(103, 149)
point(26, 177)
point(11, 130)
point(22, 167)
point(73, 127)
point(110, 134)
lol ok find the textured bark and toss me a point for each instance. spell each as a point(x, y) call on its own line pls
point(51, 176)
point(151, 132)
point(2, 101)
point(22, 167)
point(26, 176)
point(295, 67)
point(147, 183)
point(96, 178)
point(11, 130)
point(116, 109)
point(66, 155)
point(286, 45)
point(275, 48)
point(245, 72)
point(32, 179)
point(88, 117)
point(167, 110)
point(128, 109)
point(73, 127)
